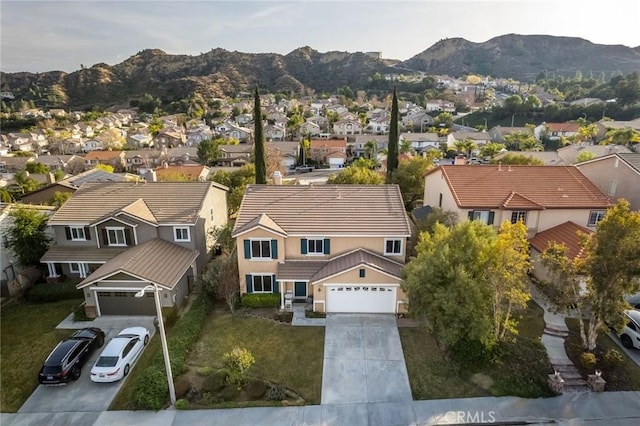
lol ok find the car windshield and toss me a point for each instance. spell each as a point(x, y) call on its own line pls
point(107, 361)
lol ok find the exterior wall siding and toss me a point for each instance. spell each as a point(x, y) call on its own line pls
point(627, 181)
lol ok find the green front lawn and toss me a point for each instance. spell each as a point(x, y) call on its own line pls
point(521, 368)
point(622, 376)
point(289, 356)
point(28, 336)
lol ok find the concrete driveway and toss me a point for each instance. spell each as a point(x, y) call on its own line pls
point(363, 360)
point(83, 395)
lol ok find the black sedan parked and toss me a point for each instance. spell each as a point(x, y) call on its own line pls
point(67, 358)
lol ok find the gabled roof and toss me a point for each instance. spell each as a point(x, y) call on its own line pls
point(263, 221)
point(327, 210)
point(355, 259)
point(518, 201)
point(541, 186)
point(140, 209)
point(566, 233)
point(333, 143)
point(102, 155)
point(168, 202)
point(632, 159)
point(157, 261)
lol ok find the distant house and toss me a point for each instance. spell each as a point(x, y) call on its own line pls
point(273, 132)
point(170, 138)
point(569, 154)
point(111, 158)
point(439, 105)
point(548, 158)
point(310, 128)
point(421, 142)
point(498, 133)
point(347, 127)
point(358, 148)
point(92, 145)
point(234, 155)
point(555, 131)
point(287, 151)
point(332, 152)
point(188, 172)
point(141, 159)
point(479, 138)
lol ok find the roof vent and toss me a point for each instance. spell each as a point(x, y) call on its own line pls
point(560, 189)
point(509, 167)
point(499, 166)
point(565, 196)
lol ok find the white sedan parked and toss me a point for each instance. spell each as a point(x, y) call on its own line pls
point(119, 355)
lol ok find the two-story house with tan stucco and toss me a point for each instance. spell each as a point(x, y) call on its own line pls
point(540, 196)
point(120, 237)
point(342, 246)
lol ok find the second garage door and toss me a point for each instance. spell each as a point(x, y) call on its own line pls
point(125, 303)
point(361, 299)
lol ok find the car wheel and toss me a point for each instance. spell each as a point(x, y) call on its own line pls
point(626, 341)
point(126, 370)
point(100, 341)
point(146, 339)
point(75, 372)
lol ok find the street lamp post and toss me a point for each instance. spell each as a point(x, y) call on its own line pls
point(163, 338)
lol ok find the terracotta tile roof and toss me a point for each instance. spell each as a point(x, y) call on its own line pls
point(58, 253)
point(333, 143)
point(521, 186)
point(168, 202)
point(329, 210)
point(566, 233)
point(156, 261)
point(358, 258)
point(102, 155)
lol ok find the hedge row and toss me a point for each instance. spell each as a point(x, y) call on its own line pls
point(151, 389)
point(53, 292)
point(261, 300)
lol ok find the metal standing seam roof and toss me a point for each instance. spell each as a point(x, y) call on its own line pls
point(167, 202)
point(156, 261)
point(327, 210)
point(566, 233)
point(545, 186)
point(318, 270)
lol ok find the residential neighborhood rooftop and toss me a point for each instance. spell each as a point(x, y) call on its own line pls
point(527, 187)
point(167, 202)
point(566, 233)
point(326, 210)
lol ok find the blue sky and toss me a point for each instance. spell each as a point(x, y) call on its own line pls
point(40, 36)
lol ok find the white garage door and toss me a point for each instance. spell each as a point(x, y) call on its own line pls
point(362, 299)
point(336, 163)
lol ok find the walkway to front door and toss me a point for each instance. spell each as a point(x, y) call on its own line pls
point(363, 360)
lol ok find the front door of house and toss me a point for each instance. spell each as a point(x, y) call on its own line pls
point(300, 289)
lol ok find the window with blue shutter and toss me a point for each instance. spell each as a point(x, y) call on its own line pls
point(249, 284)
point(327, 247)
point(274, 249)
point(303, 246)
point(247, 249)
point(276, 284)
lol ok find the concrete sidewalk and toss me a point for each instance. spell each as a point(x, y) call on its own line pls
point(608, 408)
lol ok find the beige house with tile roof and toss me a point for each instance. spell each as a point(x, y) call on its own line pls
point(343, 246)
point(541, 196)
point(119, 237)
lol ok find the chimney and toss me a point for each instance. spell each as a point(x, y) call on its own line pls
point(277, 178)
point(509, 167)
point(499, 166)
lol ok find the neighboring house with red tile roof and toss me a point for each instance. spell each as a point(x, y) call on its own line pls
point(297, 239)
point(555, 131)
point(328, 151)
point(568, 233)
point(189, 172)
point(617, 175)
point(541, 196)
point(120, 237)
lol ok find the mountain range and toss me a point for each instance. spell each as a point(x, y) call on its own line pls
point(219, 72)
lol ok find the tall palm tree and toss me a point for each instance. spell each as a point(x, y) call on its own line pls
point(371, 149)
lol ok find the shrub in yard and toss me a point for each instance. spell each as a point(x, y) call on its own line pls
point(205, 371)
point(182, 404)
point(230, 393)
point(170, 316)
point(79, 313)
point(260, 300)
point(182, 387)
point(150, 390)
point(256, 388)
point(612, 359)
point(215, 381)
point(238, 362)
point(588, 360)
point(53, 292)
point(276, 393)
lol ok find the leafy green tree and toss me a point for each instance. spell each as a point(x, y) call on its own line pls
point(447, 283)
point(303, 150)
point(584, 156)
point(259, 149)
point(105, 167)
point(518, 141)
point(621, 137)
point(208, 151)
point(516, 159)
point(27, 236)
point(354, 175)
point(406, 147)
point(371, 149)
point(444, 119)
point(531, 144)
point(37, 168)
point(392, 156)
point(587, 132)
point(25, 183)
point(465, 146)
point(507, 276)
point(513, 104)
point(490, 149)
point(155, 126)
point(608, 264)
point(59, 198)
point(5, 196)
point(410, 179)
point(237, 182)
point(59, 174)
